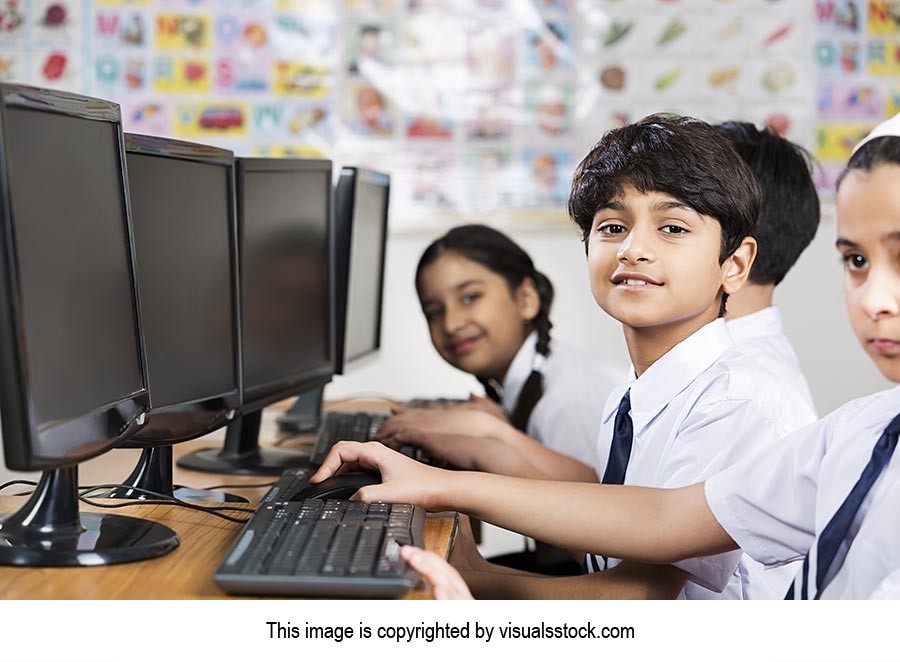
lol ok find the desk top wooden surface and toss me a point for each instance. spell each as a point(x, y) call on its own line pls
point(186, 572)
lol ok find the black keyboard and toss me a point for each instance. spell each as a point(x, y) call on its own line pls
point(345, 426)
point(288, 484)
point(332, 548)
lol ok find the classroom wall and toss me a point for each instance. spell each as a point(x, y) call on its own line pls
point(810, 299)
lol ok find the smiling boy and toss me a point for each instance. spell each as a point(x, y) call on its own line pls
point(828, 494)
point(667, 208)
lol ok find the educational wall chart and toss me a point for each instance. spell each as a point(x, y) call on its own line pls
point(480, 108)
point(857, 53)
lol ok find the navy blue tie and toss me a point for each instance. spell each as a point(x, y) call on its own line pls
point(835, 531)
point(617, 464)
point(620, 450)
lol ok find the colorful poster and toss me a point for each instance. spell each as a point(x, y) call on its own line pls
point(475, 107)
point(180, 75)
point(182, 32)
point(56, 23)
point(211, 120)
point(12, 22)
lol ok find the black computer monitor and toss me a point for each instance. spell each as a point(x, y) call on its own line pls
point(284, 224)
point(73, 380)
point(361, 230)
point(361, 221)
point(185, 231)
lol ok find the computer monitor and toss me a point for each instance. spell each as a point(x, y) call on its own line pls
point(284, 225)
point(361, 220)
point(185, 231)
point(73, 381)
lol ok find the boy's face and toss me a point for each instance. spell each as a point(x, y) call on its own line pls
point(654, 261)
point(868, 206)
point(476, 323)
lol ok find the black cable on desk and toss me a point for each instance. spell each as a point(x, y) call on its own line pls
point(228, 487)
point(30, 483)
point(161, 500)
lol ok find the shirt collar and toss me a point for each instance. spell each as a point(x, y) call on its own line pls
point(762, 323)
point(884, 412)
point(672, 373)
point(518, 371)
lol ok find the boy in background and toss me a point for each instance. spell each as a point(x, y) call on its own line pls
point(787, 224)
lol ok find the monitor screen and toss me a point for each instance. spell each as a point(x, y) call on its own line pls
point(366, 266)
point(181, 213)
point(67, 201)
point(284, 220)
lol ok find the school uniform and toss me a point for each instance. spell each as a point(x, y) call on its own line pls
point(700, 408)
point(761, 336)
point(567, 416)
point(783, 505)
point(889, 589)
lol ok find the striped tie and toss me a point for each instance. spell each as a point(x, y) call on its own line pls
point(834, 534)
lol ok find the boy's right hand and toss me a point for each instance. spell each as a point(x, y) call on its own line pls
point(403, 480)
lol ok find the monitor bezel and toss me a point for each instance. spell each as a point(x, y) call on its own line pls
point(220, 407)
point(261, 396)
point(116, 421)
point(346, 193)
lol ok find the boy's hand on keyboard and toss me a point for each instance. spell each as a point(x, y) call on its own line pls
point(403, 480)
point(446, 582)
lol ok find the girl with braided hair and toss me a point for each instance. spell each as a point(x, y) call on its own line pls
point(488, 313)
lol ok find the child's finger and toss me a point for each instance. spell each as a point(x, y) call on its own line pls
point(446, 582)
point(365, 455)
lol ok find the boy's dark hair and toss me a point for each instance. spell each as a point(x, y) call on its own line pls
point(876, 152)
point(497, 252)
point(790, 207)
point(681, 156)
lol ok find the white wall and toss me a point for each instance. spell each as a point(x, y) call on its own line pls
point(810, 299)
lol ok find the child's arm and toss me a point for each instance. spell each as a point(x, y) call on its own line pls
point(641, 524)
point(443, 433)
point(632, 581)
point(471, 453)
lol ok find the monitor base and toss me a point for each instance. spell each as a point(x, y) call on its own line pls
point(255, 462)
point(100, 540)
point(154, 473)
point(48, 530)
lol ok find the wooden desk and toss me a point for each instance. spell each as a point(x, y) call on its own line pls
point(186, 572)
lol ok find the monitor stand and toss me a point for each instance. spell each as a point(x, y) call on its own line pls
point(154, 473)
point(305, 415)
point(49, 531)
point(242, 453)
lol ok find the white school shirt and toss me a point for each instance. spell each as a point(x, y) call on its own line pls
point(889, 589)
point(699, 408)
point(576, 385)
point(761, 336)
point(776, 505)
